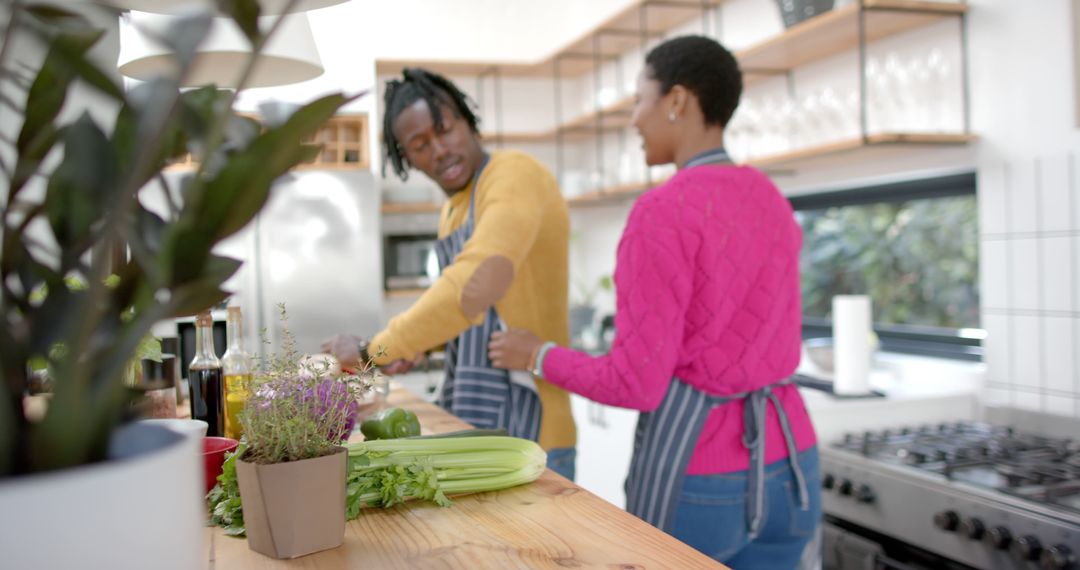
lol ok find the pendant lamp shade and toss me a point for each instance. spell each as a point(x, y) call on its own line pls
point(269, 7)
point(289, 57)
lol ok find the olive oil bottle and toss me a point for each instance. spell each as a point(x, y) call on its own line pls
point(237, 365)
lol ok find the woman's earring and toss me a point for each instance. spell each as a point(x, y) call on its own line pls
point(671, 116)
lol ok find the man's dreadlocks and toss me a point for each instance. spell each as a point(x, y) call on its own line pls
point(435, 90)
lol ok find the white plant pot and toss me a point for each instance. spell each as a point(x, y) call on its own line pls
point(143, 509)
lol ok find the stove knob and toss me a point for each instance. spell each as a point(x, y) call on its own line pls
point(946, 520)
point(864, 494)
point(1026, 548)
point(973, 528)
point(1058, 557)
point(998, 537)
point(828, 481)
point(846, 486)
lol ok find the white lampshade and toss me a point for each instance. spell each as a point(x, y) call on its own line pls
point(289, 57)
point(179, 6)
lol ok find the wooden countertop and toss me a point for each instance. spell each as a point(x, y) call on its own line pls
point(550, 523)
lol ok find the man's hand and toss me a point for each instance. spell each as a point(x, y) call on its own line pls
point(402, 366)
point(513, 349)
point(344, 347)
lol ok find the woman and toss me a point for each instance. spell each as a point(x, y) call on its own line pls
point(708, 330)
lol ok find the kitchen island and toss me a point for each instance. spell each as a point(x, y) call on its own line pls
point(550, 523)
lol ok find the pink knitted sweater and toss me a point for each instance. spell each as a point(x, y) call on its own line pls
point(707, 290)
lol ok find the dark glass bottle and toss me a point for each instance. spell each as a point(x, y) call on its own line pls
point(206, 378)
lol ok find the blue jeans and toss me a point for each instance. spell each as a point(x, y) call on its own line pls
point(561, 461)
point(712, 516)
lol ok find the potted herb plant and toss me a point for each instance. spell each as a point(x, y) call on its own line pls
point(292, 471)
point(83, 486)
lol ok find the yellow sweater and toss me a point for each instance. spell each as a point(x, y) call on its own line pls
point(520, 216)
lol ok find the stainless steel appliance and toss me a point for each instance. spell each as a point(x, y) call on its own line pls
point(994, 495)
point(315, 246)
point(409, 260)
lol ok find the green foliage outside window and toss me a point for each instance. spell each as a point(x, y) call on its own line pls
point(918, 260)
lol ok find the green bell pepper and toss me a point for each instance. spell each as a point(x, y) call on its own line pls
point(390, 423)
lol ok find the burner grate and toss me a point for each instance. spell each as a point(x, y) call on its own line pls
point(1030, 466)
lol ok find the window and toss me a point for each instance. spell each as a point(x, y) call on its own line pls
point(913, 247)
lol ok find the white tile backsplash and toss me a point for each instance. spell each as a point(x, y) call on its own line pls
point(994, 274)
point(1056, 277)
point(1054, 194)
point(1059, 357)
point(1023, 270)
point(993, 199)
point(1029, 215)
point(1020, 180)
point(996, 348)
point(1074, 192)
point(1028, 401)
point(1026, 352)
point(997, 397)
point(1060, 405)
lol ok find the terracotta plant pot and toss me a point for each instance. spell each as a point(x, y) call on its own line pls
point(295, 508)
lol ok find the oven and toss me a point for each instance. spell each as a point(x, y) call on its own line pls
point(409, 260)
point(955, 495)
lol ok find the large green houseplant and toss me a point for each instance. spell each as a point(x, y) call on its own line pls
point(70, 208)
point(163, 265)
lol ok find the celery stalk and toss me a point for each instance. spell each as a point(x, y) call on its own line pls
point(386, 472)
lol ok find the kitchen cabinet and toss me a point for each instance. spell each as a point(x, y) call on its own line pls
point(604, 445)
point(344, 142)
point(843, 30)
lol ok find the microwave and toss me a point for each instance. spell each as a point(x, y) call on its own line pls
point(409, 261)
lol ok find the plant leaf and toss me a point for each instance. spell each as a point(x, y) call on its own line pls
point(79, 189)
point(246, 15)
point(204, 291)
point(184, 35)
point(223, 205)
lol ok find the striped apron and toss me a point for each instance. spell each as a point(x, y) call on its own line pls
point(472, 390)
point(665, 439)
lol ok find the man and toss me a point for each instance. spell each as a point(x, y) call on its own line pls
point(504, 238)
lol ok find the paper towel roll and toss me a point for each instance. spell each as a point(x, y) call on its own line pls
point(851, 344)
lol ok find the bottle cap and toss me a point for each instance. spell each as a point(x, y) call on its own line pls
point(204, 319)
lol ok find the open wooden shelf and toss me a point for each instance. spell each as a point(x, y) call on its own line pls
point(874, 147)
point(837, 31)
point(614, 37)
point(847, 151)
point(612, 117)
point(404, 293)
point(410, 207)
point(817, 38)
point(612, 194)
point(344, 141)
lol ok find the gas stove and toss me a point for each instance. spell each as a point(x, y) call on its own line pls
point(985, 495)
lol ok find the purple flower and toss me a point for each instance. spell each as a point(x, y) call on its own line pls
point(329, 401)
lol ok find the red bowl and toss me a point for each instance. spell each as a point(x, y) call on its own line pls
point(214, 450)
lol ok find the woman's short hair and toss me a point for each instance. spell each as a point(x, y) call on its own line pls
point(703, 66)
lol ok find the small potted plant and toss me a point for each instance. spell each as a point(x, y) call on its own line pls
point(292, 470)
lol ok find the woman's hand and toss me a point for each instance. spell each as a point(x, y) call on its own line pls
point(512, 349)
